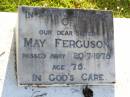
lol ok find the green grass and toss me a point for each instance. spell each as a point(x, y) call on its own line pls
point(120, 8)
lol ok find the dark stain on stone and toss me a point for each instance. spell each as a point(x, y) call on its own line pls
point(87, 92)
point(91, 12)
point(24, 9)
point(2, 53)
point(36, 11)
point(108, 33)
point(25, 87)
point(91, 22)
point(38, 94)
point(39, 11)
point(70, 12)
point(75, 90)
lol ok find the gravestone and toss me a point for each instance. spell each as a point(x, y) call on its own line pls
point(64, 46)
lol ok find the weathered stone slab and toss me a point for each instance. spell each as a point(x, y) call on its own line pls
point(64, 46)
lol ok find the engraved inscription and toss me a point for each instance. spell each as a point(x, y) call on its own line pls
point(65, 46)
